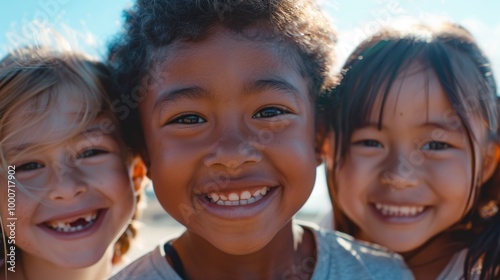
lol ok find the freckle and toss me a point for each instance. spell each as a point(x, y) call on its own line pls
point(401, 113)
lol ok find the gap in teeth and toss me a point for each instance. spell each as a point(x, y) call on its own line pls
point(401, 211)
point(65, 225)
point(233, 199)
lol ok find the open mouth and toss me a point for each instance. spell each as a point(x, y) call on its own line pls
point(399, 210)
point(238, 198)
point(74, 224)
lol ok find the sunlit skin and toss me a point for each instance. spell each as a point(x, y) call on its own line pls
point(419, 158)
point(80, 175)
point(229, 114)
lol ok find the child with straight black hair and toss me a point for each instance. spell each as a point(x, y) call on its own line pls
point(220, 96)
point(412, 153)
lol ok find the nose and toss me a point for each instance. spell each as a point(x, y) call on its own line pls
point(399, 173)
point(232, 149)
point(68, 183)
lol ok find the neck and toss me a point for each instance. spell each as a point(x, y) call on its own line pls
point(36, 268)
point(430, 259)
point(290, 249)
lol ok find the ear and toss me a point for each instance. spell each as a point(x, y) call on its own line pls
point(138, 171)
point(328, 151)
point(491, 159)
point(145, 159)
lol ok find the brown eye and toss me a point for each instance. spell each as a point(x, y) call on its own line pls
point(188, 119)
point(436, 145)
point(269, 112)
point(91, 153)
point(369, 143)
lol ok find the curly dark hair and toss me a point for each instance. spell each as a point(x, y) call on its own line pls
point(152, 25)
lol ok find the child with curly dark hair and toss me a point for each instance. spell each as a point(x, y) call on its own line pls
point(219, 99)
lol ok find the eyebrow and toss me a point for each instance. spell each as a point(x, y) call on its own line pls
point(27, 145)
point(279, 85)
point(439, 125)
point(182, 93)
point(254, 87)
point(444, 126)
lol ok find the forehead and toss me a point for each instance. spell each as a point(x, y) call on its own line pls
point(415, 93)
point(50, 118)
point(417, 98)
point(255, 44)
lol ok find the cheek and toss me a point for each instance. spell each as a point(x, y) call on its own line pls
point(353, 179)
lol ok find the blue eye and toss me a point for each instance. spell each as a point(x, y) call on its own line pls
point(436, 145)
point(188, 119)
point(91, 153)
point(369, 143)
point(269, 112)
point(29, 166)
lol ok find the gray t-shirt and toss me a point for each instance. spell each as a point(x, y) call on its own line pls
point(339, 256)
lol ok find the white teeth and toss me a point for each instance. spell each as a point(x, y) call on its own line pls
point(63, 226)
point(263, 191)
point(245, 195)
point(214, 196)
point(401, 211)
point(233, 198)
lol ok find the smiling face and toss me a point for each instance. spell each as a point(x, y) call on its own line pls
point(77, 196)
point(411, 179)
point(230, 136)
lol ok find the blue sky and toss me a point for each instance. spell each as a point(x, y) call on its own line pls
point(354, 19)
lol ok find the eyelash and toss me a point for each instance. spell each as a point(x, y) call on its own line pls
point(91, 153)
point(182, 119)
point(442, 145)
point(369, 143)
point(29, 166)
point(281, 111)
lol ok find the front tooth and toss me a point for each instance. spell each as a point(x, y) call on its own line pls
point(233, 197)
point(220, 202)
point(263, 191)
point(88, 218)
point(256, 193)
point(223, 197)
point(245, 195)
point(228, 203)
point(414, 211)
point(420, 209)
point(214, 197)
point(378, 206)
point(405, 211)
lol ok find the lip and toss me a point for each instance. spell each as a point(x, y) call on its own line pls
point(238, 212)
point(399, 219)
point(234, 185)
point(101, 215)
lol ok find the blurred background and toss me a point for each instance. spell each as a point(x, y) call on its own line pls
point(94, 22)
